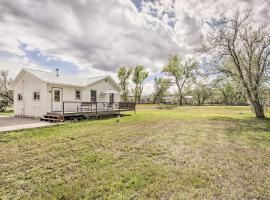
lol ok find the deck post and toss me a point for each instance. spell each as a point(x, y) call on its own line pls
point(96, 109)
point(63, 110)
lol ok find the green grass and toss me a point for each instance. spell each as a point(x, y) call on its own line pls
point(7, 112)
point(207, 152)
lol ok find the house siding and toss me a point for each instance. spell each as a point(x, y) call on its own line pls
point(68, 94)
point(29, 107)
point(100, 87)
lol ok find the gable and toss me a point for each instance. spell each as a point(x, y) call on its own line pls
point(26, 76)
point(108, 83)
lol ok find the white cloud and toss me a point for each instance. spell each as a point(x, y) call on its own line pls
point(95, 35)
point(99, 36)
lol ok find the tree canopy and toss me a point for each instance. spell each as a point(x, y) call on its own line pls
point(124, 75)
point(181, 72)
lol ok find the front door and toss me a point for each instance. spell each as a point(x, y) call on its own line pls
point(56, 99)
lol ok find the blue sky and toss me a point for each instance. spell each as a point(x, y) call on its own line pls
point(49, 63)
point(92, 38)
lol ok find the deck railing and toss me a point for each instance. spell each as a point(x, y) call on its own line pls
point(95, 107)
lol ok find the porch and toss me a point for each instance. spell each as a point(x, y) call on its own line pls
point(74, 109)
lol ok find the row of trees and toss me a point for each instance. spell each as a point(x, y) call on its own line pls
point(238, 50)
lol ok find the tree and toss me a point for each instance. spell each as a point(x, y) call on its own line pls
point(202, 92)
point(139, 76)
point(5, 82)
point(123, 75)
point(231, 91)
point(238, 40)
point(161, 87)
point(181, 72)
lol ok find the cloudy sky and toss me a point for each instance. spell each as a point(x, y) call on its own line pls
point(95, 37)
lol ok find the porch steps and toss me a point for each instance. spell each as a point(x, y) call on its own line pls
point(51, 117)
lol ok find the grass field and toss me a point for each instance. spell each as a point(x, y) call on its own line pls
point(159, 153)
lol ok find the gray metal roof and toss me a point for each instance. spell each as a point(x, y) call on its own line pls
point(61, 79)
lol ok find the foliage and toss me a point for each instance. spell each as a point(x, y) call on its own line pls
point(181, 72)
point(3, 105)
point(161, 87)
point(139, 76)
point(5, 82)
point(231, 92)
point(240, 49)
point(201, 92)
point(123, 75)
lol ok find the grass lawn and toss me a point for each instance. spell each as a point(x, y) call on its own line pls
point(7, 112)
point(208, 152)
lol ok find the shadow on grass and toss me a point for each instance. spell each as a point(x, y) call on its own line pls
point(257, 130)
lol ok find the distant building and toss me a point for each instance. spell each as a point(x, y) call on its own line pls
point(144, 99)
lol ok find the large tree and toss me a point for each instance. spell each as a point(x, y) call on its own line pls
point(161, 87)
point(124, 75)
point(139, 76)
point(5, 82)
point(181, 72)
point(237, 39)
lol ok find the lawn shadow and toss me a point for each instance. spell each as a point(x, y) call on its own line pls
point(257, 130)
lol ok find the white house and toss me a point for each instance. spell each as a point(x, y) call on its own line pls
point(37, 93)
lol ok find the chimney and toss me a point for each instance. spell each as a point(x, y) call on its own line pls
point(57, 72)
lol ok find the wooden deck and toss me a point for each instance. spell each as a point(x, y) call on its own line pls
point(86, 110)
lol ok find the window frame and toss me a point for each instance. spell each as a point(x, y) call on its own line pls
point(95, 96)
point(36, 99)
point(80, 94)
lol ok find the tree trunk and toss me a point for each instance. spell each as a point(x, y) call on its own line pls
point(258, 109)
point(180, 100)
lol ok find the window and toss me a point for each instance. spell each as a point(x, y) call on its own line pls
point(56, 95)
point(111, 98)
point(36, 95)
point(93, 96)
point(77, 94)
point(20, 97)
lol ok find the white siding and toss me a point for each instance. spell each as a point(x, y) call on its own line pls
point(68, 94)
point(100, 87)
point(28, 106)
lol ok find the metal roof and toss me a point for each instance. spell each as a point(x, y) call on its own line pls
point(50, 77)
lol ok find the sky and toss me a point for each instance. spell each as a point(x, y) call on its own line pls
point(94, 37)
